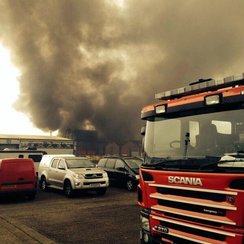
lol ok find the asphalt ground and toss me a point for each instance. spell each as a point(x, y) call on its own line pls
point(86, 218)
point(12, 231)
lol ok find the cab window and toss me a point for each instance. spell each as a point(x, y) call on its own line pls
point(119, 164)
point(102, 162)
point(110, 163)
point(35, 157)
point(54, 163)
point(61, 164)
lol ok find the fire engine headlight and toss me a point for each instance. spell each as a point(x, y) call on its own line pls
point(145, 223)
point(211, 100)
point(161, 109)
point(137, 177)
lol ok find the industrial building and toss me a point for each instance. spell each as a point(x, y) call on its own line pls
point(50, 144)
point(82, 143)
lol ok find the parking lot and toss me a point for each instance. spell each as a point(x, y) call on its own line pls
point(86, 218)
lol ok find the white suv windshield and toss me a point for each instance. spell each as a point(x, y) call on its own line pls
point(79, 163)
point(214, 134)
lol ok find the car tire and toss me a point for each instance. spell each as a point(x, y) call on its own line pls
point(130, 185)
point(68, 190)
point(43, 184)
point(101, 191)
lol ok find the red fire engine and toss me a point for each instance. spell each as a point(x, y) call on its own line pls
point(191, 186)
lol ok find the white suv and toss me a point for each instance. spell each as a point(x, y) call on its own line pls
point(70, 173)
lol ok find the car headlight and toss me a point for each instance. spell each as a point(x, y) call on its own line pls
point(78, 176)
point(145, 223)
point(105, 175)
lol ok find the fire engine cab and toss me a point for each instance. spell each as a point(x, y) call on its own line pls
point(191, 186)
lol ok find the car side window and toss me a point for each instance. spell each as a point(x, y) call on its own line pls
point(110, 163)
point(102, 162)
point(54, 163)
point(119, 164)
point(61, 164)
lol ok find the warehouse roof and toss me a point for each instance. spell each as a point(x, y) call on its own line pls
point(30, 137)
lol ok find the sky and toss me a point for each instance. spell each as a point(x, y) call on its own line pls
point(93, 64)
point(12, 121)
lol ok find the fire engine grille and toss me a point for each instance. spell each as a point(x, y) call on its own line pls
point(94, 176)
point(190, 230)
point(193, 194)
point(193, 205)
point(183, 232)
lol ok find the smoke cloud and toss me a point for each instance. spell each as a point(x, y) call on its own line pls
point(95, 63)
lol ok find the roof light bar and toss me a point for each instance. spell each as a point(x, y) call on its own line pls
point(202, 86)
point(212, 100)
point(161, 109)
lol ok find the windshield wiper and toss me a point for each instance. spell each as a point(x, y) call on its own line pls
point(213, 165)
point(175, 163)
point(156, 162)
point(229, 160)
point(182, 163)
point(166, 163)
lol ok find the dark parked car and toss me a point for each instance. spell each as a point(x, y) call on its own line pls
point(123, 171)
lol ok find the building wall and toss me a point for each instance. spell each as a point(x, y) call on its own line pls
point(52, 145)
point(83, 144)
point(112, 149)
point(131, 148)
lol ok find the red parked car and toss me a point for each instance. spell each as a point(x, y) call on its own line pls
point(18, 177)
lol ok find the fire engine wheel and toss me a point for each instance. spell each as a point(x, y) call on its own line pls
point(130, 185)
point(68, 190)
point(43, 184)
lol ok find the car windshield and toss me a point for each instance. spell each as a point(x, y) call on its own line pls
point(199, 136)
point(134, 163)
point(73, 163)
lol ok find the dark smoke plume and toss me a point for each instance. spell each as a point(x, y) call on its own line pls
point(92, 64)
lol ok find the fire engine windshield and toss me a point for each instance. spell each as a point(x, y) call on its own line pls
point(204, 136)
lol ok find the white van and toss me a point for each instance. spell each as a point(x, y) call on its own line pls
point(35, 155)
point(70, 173)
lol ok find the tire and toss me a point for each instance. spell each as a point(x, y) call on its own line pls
point(130, 185)
point(101, 191)
point(68, 190)
point(43, 184)
point(149, 241)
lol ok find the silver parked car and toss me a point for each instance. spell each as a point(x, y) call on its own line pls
point(70, 173)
